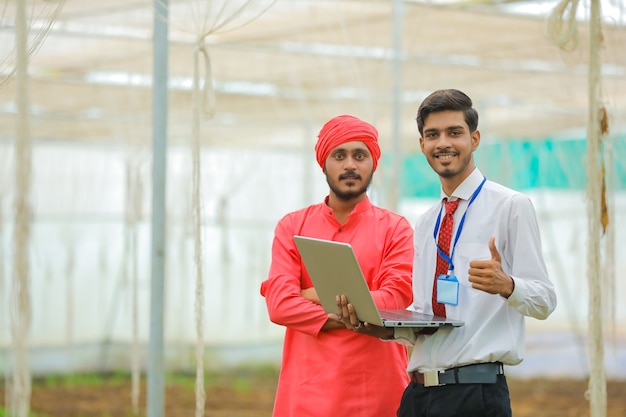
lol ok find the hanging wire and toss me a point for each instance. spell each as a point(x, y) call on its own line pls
point(134, 196)
point(6, 164)
point(204, 89)
point(563, 30)
point(197, 229)
point(595, 131)
point(562, 25)
point(47, 13)
point(210, 17)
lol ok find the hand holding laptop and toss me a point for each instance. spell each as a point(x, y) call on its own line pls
point(349, 317)
point(346, 315)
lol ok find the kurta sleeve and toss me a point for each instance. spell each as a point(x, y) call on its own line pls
point(285, 305)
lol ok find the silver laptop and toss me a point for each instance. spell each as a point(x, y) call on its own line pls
point(334, 270)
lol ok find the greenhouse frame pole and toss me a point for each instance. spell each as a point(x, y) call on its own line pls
point(156, 374)
point(595, 272)
point(396, 135)
point(19, 395)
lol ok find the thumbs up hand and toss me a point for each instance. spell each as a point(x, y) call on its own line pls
point(495, 255)
point(488, 275)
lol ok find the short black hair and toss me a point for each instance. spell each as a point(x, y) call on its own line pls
point(449, 99)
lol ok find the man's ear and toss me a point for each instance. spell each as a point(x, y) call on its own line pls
point(475, 139)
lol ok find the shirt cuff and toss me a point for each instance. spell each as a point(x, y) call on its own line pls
point(519, 293)
point(404, 335)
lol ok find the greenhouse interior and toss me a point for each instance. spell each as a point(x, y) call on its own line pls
point(149, 148)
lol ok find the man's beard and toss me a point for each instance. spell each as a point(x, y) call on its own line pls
point(349, 195)
point(448, 172)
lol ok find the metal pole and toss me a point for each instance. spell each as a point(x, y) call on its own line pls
point(396, 165)
point(155, 372)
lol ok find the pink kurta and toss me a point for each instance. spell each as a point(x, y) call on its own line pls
point(339, 372)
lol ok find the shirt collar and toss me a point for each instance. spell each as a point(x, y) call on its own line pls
point(465, 190)
point(359, 208)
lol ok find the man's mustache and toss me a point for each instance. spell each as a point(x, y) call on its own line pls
point(349, 176)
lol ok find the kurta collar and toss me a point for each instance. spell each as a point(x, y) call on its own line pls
point(361, 207)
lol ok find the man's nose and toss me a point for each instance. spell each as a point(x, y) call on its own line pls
point(350, 163)
point(444, 141)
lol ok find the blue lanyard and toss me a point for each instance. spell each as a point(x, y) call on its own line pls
point(445, 256)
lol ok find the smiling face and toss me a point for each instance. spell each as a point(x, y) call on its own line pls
point(448, 146)
point(349, 169)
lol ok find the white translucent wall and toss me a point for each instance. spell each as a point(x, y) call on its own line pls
point(83, 268)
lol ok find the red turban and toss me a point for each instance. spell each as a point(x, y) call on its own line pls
point(342, 129)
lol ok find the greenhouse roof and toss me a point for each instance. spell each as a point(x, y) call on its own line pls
point(280, 69)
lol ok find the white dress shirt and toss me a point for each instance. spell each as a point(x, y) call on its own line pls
point(494, 327)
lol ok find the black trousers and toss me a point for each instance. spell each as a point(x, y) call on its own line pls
point(457, 400)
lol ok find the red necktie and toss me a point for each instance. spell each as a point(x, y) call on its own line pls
point(443, 240)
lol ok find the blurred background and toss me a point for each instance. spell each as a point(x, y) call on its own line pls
point(268, 74)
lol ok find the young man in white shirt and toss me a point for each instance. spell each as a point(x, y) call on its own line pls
point(491, 276)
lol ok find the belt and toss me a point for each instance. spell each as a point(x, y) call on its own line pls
point(479, 373)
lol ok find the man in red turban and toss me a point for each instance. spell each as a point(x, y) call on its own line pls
point(340, 136)
point(346, 128)
point(328, 368)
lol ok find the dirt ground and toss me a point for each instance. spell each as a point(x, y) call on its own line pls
point(251, 394)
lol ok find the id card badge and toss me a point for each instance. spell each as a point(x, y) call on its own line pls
point(447, 289)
